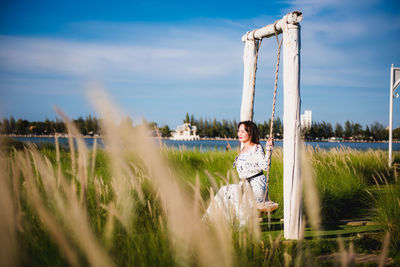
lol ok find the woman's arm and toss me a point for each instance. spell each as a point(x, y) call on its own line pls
point(263, 157)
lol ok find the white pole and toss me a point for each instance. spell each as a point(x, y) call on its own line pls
point(390, 115)
point(292, 189)
point(250, 65)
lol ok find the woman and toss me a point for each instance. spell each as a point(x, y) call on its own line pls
point(236, 201)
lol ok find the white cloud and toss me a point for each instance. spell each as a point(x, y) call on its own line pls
point(342, 41)
point(312, 8)
point(192, 51)
point(196, 58)
point(203, 59)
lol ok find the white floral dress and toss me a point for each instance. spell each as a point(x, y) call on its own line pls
point(231, 200)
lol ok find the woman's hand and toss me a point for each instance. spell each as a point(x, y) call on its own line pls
point(270, 142)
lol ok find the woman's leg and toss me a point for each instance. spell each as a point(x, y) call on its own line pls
point(259, 188)
point(234, 202)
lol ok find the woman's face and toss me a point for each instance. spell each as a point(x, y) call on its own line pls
point(243, 135)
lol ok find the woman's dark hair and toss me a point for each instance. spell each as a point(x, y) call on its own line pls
point(251, 129)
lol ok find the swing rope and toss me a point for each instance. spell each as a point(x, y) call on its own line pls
point(279, 43)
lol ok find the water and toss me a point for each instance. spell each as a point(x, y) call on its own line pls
point(204, 145)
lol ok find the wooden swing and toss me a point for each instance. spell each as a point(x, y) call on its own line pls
point(289, 25)
point(269, 206)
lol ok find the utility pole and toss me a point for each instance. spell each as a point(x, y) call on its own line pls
point(394, 83)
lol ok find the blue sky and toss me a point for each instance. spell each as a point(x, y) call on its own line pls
point(161, 59)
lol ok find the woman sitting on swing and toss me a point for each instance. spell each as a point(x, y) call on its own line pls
point(232, 199)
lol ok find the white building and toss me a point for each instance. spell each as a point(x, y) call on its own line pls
point(185, 132)
point(306, 119)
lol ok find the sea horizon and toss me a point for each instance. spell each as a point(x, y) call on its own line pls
point(206, 144)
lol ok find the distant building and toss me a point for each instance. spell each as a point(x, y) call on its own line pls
point(306, 119)
point(185, 132)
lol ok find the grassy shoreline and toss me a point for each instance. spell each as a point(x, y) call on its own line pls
point(133, 227)
point(202, 138)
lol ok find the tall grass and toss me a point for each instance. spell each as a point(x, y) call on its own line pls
point(135, 213)
point(388, 212)
point(343, 175)
point(134, 204)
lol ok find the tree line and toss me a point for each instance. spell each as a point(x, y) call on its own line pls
point(87, 126)
point(318, 131)
point(350, 131)
point(211, 128)
point(228, 128)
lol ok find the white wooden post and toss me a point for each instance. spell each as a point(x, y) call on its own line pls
point(390, 116)
point(394, 83)
point(249, 79)
point(292, 186)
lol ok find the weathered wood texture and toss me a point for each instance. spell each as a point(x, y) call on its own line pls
point(292, 186)
point(249, 79)
point(268, 31)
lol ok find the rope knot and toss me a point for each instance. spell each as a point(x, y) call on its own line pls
point(253, 37)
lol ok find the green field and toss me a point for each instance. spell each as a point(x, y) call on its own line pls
point(137, 204)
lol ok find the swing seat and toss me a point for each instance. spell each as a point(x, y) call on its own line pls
point(267, 206)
